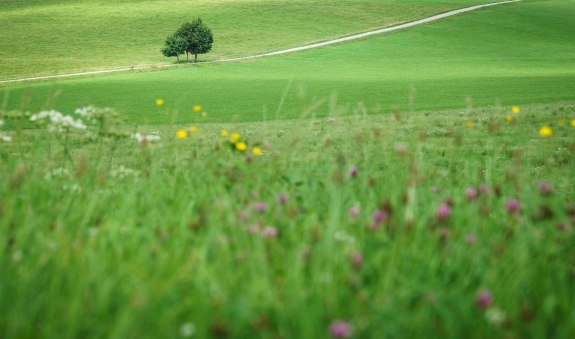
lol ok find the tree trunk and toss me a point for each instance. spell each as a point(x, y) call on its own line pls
point(178, 57)
point(187, 60)
point(196, 59)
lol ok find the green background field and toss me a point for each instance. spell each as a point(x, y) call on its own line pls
point(46, 37)
point(518, 53)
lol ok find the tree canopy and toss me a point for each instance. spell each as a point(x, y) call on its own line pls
point(191, 38)
point(174, 46)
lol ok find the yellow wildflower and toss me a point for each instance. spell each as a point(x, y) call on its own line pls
point(545, 131)
point(234, 138)
point(181, 134)
point(468, 123)
point(197, 108)
point(257, 151)
point(509, 118)
point(160, 102)
point(573, 122)
point(241, 146)
point(224, 133)
point(193, 129)
point(515, 109)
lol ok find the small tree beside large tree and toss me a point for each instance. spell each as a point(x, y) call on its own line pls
point(191, 38)
point(174, 46)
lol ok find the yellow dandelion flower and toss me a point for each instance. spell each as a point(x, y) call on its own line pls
point(515, 109)
point(234, 138)
point(241, 146)
point(181, 134)
point(193, 129)
point(573, 122)
point(509, 118)
point(545, 131)
point(224, 133)
point(197, 108)
point(468, 123)
point(257, 151)
point(160, 102)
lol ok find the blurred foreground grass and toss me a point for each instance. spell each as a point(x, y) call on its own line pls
point(442, 224)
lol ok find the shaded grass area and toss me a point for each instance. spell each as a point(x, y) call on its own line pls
point(47, 37)
point(145, 240)
point(520, 53)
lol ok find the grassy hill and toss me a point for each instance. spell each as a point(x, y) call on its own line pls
point(47, 37)
point(375, 189)
point(519, 53)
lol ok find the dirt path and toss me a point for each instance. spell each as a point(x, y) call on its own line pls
point(284, 51)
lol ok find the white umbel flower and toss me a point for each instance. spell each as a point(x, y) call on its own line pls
point(57, 122)
point(187, 330)
point(85, 111)
point(5, 138)
point(142, 137)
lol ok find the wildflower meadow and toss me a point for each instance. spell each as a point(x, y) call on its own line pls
point(287, 169)
point(452, 223)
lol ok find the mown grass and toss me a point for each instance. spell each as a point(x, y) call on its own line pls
point(121, 239)
point(47, 37)
point(502, 55)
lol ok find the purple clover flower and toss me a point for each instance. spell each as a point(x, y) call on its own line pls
point(270, 232)
point(484, 299)
point(261, 207)
point(353, 172)
point(443, 212)
point(545, 188)
point(470, 193)
point(512, 206)
point(340, 329)
point(282, 198)
point(379, 217)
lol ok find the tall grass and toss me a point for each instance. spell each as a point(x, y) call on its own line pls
point(365, 220)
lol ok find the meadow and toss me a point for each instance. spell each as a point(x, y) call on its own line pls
point(450, 223)
point(519, 53)
point(414, 184)
point(43, 37)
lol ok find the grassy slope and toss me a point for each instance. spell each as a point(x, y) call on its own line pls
point(137, 244)
point(46, 37)
point(510, 54)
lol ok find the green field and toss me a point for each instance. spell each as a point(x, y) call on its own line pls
point(413, 184)
point(42, 37)
point(520, 53)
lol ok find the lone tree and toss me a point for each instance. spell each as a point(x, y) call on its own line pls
point(174, 46)
point(198, 38)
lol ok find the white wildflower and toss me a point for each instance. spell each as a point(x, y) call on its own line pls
point(495, 316)
point(122, 172)
point(142, 137)
point(344, 237)
point(57, 173)
point(56, 121)
point(93, 231)
point(85, 111)
point(44, 115)
point(72, 188)
point(17, 256)
point(187, 330)
point(5, 138)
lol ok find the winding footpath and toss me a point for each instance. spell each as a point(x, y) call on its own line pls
point(280, 52)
